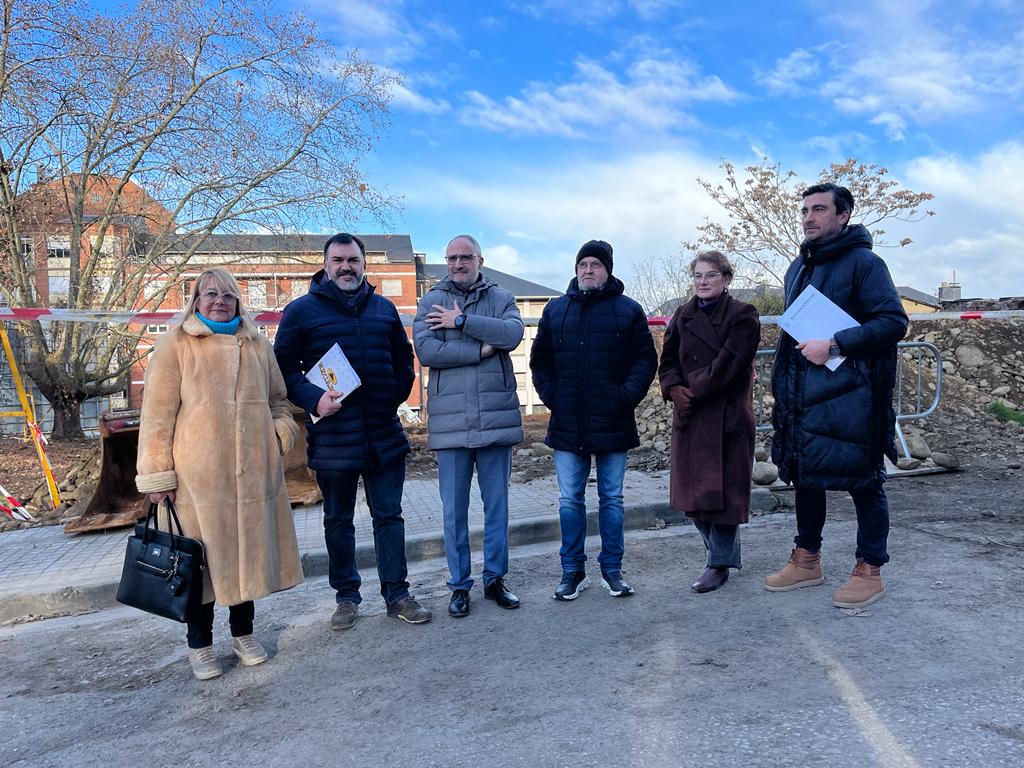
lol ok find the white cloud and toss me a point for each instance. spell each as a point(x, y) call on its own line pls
point(644, 205)
point(649, 96)
point(576, 11)
point(653, 9)
point(977, 229)
point(791, 72)
point(404, 97)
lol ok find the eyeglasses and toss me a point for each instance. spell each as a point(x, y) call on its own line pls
point(709, 276)
point(229, 298)
point(465, 258)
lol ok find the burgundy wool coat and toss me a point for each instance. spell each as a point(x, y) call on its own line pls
point(712, 353)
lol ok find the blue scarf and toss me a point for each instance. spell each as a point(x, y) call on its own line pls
point(229, 327)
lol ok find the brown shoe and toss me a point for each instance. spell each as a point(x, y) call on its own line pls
point(408, 610)
point(864, 587)
point(710, 580)
point(802, 570)
point(204, 663)
point(344, 616)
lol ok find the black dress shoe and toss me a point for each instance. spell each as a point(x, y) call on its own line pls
point(458, 606)
point(496, 591)
point(710, 580)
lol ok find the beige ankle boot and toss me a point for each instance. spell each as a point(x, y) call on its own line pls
point(802, 570)
point(864, 587)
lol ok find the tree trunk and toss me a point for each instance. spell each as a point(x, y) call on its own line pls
point(67, 420)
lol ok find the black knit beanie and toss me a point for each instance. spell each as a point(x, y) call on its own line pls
point(600, 250)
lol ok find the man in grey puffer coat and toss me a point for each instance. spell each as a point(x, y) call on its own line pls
point(465, 328)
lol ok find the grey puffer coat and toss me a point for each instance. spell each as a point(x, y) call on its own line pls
point(471, 401)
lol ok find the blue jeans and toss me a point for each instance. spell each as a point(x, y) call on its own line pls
point(872, 521)
point(384, 497)
point(572, 471)
point(455, 474)
point(722, 543)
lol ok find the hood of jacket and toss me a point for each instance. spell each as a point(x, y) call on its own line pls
point(613, 287)
point(846, 239)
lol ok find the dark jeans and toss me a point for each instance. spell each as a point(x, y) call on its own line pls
point(872, 522)
point(384, 497)
point(722, 543)
point(200, 626)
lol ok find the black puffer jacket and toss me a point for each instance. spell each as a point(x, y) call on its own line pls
point(366, 432)
point(592, 361)
point(832, 428)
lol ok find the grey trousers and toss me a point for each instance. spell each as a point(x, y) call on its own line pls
point(722, 543)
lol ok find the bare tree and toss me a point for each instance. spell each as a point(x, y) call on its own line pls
point(126, 139)
point(763, 233)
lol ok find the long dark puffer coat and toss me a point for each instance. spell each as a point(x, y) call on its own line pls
point(712, 353)
point(832, 428)
point(366, 432)
point(593, 360)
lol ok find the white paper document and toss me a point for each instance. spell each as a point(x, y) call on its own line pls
point(815, 316)
point(333, 372)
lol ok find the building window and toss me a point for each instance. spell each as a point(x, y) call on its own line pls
point(258, 294)
point(299, 288)
point(390, 287)
point(151, 289)
point(26, 248)
point(58, 285)
point(157, 328)
point(376, 258)
point(58, 248)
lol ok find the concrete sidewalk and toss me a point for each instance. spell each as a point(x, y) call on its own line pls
point(45, 573)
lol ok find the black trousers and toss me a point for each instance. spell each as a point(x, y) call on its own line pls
point(872, 521)
point(200, 626)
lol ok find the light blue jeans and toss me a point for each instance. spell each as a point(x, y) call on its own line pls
point(572, 471)
point(455, 474)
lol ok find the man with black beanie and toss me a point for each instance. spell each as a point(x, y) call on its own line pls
point(593, 360)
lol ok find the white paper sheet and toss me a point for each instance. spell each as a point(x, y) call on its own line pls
point(815, 316)
point(335, 373)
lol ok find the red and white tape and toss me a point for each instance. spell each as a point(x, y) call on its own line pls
point(11, 507)
point(273, 317)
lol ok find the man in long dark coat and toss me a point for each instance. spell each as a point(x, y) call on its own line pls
point(833, 428)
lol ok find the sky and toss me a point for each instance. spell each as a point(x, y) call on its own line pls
point(536, 125)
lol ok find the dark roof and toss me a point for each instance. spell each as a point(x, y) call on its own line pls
point(397, 247)
point(521, 289)
point(906, 292)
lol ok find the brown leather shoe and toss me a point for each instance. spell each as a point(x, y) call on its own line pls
point(409, 611)
point(710, 580)
point(864, 587)
point(344, 616)
point(802, 570)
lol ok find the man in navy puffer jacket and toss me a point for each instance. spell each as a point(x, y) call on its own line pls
point(593, 360)
point(359, 435)
point(833, 428)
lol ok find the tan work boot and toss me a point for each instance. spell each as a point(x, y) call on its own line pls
point(864, 587)
point(248, 650)
point(204, 663)
point(802, 570)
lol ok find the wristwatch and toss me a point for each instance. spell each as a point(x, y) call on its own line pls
point(833, 349)
point(459, 322)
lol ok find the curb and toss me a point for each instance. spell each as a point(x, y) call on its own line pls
point(72, 600)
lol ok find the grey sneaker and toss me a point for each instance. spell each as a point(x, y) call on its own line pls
point(408, 610)
point(344, 616)
point(204, 663)
point(248, 650)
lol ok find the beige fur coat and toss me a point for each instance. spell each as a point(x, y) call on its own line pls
point(215, 423)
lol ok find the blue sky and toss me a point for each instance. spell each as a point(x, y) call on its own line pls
point(539, 124)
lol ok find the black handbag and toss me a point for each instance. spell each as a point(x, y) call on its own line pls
point(163, 570)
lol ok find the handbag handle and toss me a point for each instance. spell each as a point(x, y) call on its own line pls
point(154, 508)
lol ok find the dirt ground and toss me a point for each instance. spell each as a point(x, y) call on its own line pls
point(931, 675)
point(20, 472)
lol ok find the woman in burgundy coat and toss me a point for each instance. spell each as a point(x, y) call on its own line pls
point(707, 374)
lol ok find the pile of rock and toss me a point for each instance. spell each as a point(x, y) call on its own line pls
point(78, 484)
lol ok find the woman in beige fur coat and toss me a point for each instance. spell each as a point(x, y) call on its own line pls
point(215, 424)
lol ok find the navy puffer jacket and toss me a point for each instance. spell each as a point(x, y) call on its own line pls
point(832, 428)
point(366, 432)
point(593, 361)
